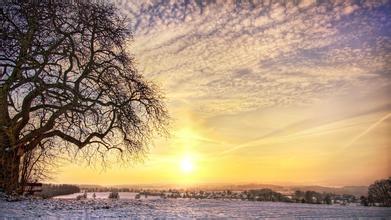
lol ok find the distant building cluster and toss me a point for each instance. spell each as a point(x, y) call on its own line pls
point(311, 197)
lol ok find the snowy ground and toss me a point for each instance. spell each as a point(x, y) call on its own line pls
point(180, 208)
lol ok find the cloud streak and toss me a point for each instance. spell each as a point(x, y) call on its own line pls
point(366, 131)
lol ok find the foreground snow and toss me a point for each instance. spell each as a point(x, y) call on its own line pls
point(180, 208)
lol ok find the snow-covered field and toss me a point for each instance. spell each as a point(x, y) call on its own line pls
point(105, 195)
point(157, 208)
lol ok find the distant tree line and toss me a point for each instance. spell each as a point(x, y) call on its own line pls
point(313, 197)
point(310, 197)
point(265, 195)
point(52, 190)
point(379, 194)
point(105, 189)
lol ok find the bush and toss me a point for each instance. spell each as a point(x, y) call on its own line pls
point(83, 196)
point(114, 195)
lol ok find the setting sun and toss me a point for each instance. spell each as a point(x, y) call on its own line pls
point(187, 165)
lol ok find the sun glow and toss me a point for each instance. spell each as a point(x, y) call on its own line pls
point(187, 165)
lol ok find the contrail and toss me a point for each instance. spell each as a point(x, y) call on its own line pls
point(366, 131)
point(269, 140)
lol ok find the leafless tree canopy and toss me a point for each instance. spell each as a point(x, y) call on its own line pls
point(380, 192)
point(67, 79)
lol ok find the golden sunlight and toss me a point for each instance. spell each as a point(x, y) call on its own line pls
point(187, 165)
point(195, 109)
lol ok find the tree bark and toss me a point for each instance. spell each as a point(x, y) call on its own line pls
point(9, 157)
point(9, 174)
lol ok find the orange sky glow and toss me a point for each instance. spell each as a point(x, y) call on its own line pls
point(283, 94)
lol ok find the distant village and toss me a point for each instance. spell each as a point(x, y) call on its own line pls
point(298, 196)
point(256, 195)
point(377, 194)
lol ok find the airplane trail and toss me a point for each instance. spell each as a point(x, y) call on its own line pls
point(366, 131)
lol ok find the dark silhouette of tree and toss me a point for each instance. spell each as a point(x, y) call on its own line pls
point(364, 201)
point(380, 192)
point(265, 195)
point(316, 197)
point(298, 196)
point(327, 199)
point(37, 165)
point(309, 197)
point(66, 80)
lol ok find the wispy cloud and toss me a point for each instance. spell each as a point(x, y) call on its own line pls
point(267, 90)
point(228, 57)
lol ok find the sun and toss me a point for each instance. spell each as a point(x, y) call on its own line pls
point(186, 165)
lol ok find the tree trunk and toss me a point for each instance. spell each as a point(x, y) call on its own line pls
point(9, 158)
point(9, 172)
point(9, 165)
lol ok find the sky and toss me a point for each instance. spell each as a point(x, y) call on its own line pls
point(261, 92)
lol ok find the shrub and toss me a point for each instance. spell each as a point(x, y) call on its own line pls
point(114, 195)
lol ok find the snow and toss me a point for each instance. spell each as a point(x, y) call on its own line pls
point(180, 208)
point(105, 195)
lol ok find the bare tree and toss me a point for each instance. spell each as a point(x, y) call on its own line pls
point(380, 192)
point(67, 80)
point(37, 165)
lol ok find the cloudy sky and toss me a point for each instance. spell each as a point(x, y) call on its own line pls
point(263, 92)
